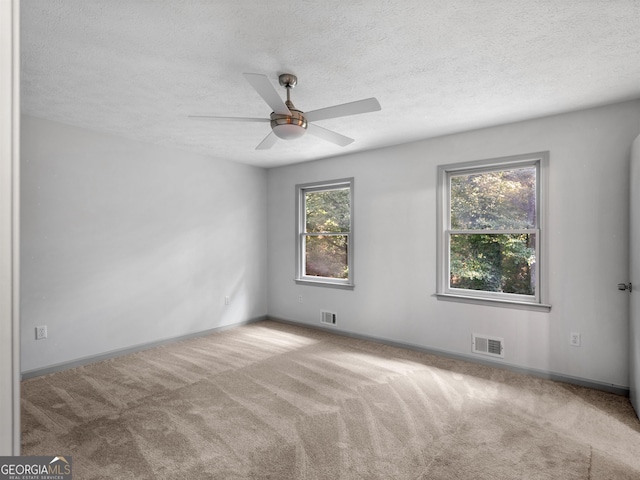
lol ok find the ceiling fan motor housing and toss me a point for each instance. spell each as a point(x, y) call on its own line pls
point(289, 127)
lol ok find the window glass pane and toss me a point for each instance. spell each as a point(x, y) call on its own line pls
point(328, 211)
point(493, 263)
point(326, 256)
point(504, 199)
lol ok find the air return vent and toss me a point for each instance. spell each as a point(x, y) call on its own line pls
point(492, 346)
point(328, 317)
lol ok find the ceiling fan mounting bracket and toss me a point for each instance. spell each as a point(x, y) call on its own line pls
point(288, 80)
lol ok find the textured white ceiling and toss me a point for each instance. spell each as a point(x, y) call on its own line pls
point(137, 68)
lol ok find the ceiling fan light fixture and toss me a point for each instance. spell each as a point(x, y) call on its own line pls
point(289, 131)
point(289, 127)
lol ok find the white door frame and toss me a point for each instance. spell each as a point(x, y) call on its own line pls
point(634, 277)
point(9, 228)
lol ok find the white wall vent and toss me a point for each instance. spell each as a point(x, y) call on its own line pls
point(328, 317)
point(486, 345)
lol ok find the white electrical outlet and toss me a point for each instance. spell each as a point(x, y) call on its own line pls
point(227, 300)
point(41, 332)
point(574, 339)
point(299, 298)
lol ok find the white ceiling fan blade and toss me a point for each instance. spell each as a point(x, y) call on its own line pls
point(328, 135)
point(343, 110)
point(268, 142)
point(232, 119)
point(268, 93)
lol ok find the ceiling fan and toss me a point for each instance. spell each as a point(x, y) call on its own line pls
point(287, 122)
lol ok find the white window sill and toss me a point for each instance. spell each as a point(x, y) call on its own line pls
point(324, 283)
point(541, 307)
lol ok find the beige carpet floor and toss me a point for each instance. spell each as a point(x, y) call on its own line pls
point(275, 401)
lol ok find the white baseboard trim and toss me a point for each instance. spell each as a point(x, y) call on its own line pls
point(558, 377)
point(58, 367)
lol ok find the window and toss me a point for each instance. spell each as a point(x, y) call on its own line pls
point(491, 241)
point(324, 233)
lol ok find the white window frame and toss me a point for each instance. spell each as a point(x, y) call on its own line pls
point(300, 277)
point(445, 172)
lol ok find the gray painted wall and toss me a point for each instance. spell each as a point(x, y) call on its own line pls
point(125, 243)
point(395, 245)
